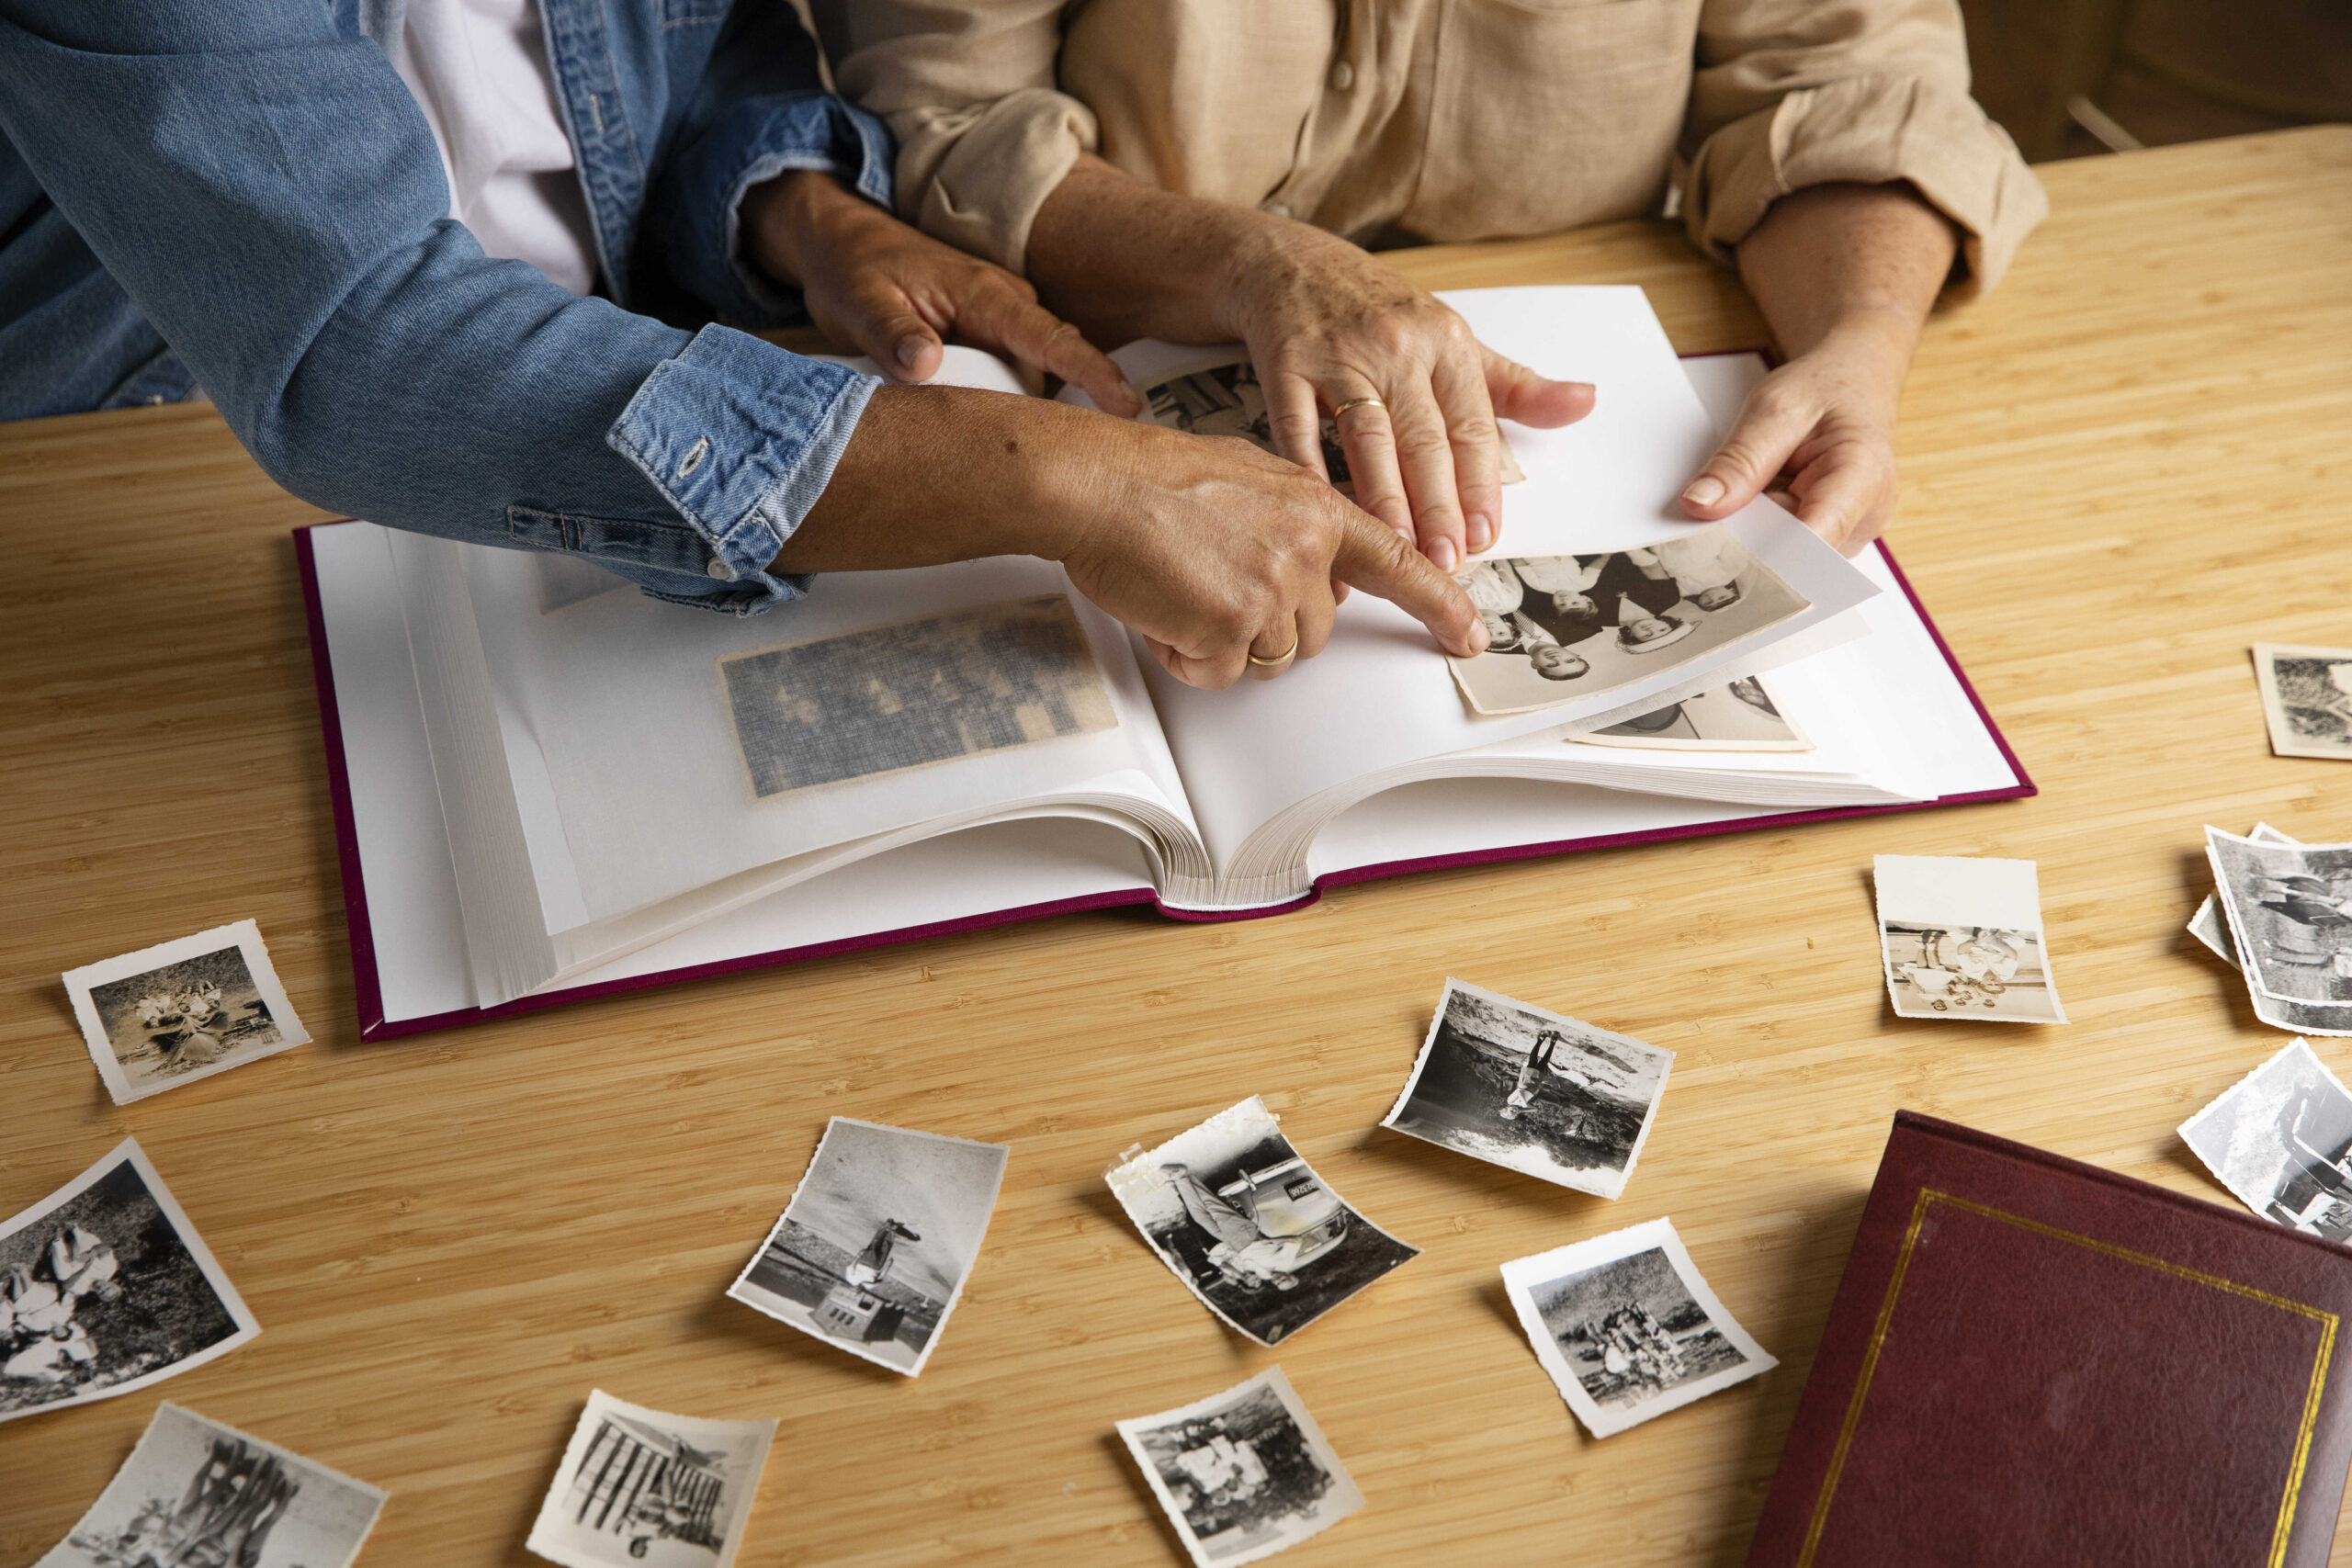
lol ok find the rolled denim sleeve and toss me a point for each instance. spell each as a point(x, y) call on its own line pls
point(745, 141)
point(269, 195)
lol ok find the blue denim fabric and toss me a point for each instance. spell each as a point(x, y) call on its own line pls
point(244, 196)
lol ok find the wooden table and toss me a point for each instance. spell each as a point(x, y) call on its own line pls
point(2119, 469)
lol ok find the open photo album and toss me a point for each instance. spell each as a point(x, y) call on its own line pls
point(549, 785)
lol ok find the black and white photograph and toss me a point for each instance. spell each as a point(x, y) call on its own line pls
point(872, 1252)
point(104, 1289)
point(1243, 1474)
point(2210, 926)
point(2280, 1140)
point(1743, 716)
point(1533, 1091)
point(1962, 938)
point(1223, 397)
point(889, 698)
point(2290, 908)
point(1565, 628)
point(644, 1486)
point(1627, 1327)
point(194, 1494)
point(1248, 1225)
point(2306, 699)
point(171, 1014)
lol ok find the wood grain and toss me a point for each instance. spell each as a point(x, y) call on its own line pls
point(2119, 469)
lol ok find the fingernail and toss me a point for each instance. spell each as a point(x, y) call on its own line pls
point(1479, 531)
point(1478, 637)
point(1705, 491)
point(910, 350)
point(1127, 389)
point(1442, 554)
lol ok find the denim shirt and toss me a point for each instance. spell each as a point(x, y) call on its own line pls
point(244, 197)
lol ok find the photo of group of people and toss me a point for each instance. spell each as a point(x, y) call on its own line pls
point(1560, 627)
point(2290, 908)
point(182, 1011)
point(2216, 925)
point(1226, 399)
point(2306, 699)
point(105, 1288)
point(1243, 1474)
point(1962, 938)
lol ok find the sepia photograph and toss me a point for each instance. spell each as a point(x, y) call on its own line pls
point(1962, 938)
point(889, 698)
point(2280, 1140)
point(872, 1252)
point(1243, 1474)
point(2306, 699)
point(1563, 627)
point(1532, 1090)
point(1627, 1329)
point(1249, 1228)
point(171, 1014)
point(194, 1494)
point(1740, 717)
point(1223, 397)
point(2290, 907)
point(106, 1288)
point(643, 1487)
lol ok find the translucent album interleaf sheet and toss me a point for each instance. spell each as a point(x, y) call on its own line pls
point(887, 698)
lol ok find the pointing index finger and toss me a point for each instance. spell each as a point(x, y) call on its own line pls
point(1381, 561)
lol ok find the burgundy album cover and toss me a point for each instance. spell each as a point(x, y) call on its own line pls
point(2037, 1363)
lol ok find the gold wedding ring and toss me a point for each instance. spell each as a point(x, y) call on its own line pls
point(1341, 413)
point(1279, 659)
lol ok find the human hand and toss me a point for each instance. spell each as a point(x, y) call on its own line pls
point(895, 294)
point(1328, 325)
point(1230, 561)
point(1817, 436)
point(1210, 548)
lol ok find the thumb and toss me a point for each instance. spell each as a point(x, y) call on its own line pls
point(1381, 561)
point(1750, 457)
point(1522, 395)
point(881, 322)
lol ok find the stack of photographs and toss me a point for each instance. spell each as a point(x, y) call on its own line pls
point(1253, 1231)
point(2281, 914)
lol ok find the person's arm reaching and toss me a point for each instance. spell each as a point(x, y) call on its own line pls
point(1846, 276)
point(1326, 324)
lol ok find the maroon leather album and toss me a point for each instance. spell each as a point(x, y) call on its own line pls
point(2035, 1363)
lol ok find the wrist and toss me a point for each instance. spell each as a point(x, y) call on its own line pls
point(778, 218)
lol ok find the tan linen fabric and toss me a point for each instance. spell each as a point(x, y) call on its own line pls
point(1391, 121)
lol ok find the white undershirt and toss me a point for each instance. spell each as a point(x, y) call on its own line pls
point(479, 70)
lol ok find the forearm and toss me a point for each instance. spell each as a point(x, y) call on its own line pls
point(1852, 267)
point(1121, 259)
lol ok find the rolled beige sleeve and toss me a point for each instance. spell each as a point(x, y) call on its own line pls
point(1795, 93)
point(966, 87)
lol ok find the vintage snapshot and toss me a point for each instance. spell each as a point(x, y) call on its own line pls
point(2306, 699)
point(1563, 627)
point(2290, 909)
point(1532, 1091)
point(169, 1015)
point(1740, 717)
point(194, 1494)
point(106, 1288)
point(1237, 1215)
point(892, 697)
point(1627, 1329)
point(1244, 1473)
point(1962, 937)
point(2280, 1140)
point(2210, 926)
point(643, 1487)
point(873, 1250)
point(1222, 398)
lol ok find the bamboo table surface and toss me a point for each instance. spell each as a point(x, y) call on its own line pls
point(2119, 469)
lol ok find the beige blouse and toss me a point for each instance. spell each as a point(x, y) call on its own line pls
point(1392, 121)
